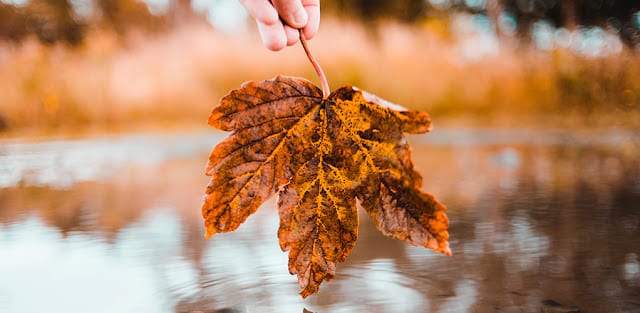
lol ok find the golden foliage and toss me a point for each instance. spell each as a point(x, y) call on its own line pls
point(320, 156)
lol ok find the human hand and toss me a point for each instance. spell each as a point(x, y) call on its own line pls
point(297, 14)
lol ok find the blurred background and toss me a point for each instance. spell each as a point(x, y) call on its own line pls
point(535, 151)
point(78, 64)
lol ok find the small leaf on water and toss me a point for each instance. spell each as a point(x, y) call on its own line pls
point(321, 157)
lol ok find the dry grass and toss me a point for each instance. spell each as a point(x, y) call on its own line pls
point(177, 78)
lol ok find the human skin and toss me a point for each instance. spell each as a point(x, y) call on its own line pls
point(279, 20)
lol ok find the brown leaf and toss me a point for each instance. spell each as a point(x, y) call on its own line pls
point(247, 168)
point(320, 156)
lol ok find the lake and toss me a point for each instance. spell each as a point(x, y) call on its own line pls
point(111, 223)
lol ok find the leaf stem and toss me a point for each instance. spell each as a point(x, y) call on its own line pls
point(323, 79)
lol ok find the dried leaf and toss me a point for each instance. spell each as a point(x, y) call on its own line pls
point(321, 156)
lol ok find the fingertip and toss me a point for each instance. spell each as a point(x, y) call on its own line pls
point(299, 18)
point(292, 35)
point(309, 32)
point(273, 36)
point(275, 45)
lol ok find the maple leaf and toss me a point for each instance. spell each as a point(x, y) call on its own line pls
point(322, 155)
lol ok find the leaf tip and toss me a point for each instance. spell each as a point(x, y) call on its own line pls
point(208, 234)
point(443, 247)
point(212, 119)
point(218, 120)
point(305, 293)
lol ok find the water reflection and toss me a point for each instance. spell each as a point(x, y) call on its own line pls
point(550, 216)
point(62, 163)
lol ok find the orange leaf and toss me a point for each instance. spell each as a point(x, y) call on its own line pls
point(320, 156)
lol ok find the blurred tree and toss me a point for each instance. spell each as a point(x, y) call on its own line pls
point(527, 13)
point(370, 11)
point(571, 13)
point(54, 20)
point(50, 20)
point(617, 15)
point(13, 26)
point(494, 9)
point(124, 15)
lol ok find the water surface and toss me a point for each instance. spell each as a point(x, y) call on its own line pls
point(112, 224)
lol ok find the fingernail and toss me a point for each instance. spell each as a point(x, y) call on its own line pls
point(300, 17)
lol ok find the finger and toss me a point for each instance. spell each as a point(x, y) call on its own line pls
point(273, 36)
point(313, 23)
point(292, 12)
point(293, 35)
point(262, 11)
